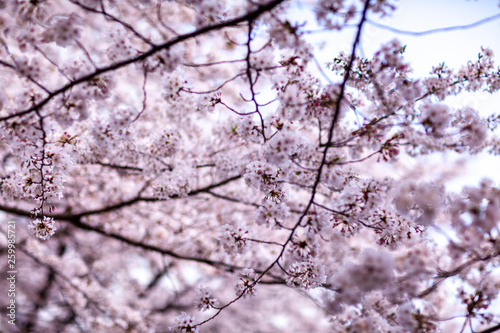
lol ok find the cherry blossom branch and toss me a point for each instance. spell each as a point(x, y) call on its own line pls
point(250, 16)
point(443, 275)
point(318, 178)
point(234, 111)
point(170, 190)
point(214, 263)
point(336, 112)
point(40, 167)
point(251, 82)
point(330, 136)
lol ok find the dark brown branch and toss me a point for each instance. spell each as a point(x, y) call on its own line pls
point(225, 197)
point(154, 282)
point(6, 64)
point(127, 203)
point(491, 329)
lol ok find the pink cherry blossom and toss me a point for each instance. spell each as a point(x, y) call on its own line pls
point(160, 159)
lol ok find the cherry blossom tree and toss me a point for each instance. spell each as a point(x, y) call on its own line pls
point(180, 166)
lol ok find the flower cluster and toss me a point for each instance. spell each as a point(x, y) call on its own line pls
point(70, 109)
point(480, 206)
point(304, 247)
point(246, 283)
point(391, 55)
point(121, 47)
point(176, 183)
point(393, 229)
point(334, 14)
point(473, 129)
point(375, 271)
point(248, 129)
point(435, 118)
point(42, 229)
point(62, 31)
point(293, 104)
point(272, 213)
point(233, 238)
point(280, 148)
point(184, 323)
point(172, 85)
point(29, 67)
point(428, 198)
point(306, 274)
point(166, 143)
point(204, 300)
point(263, 176)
